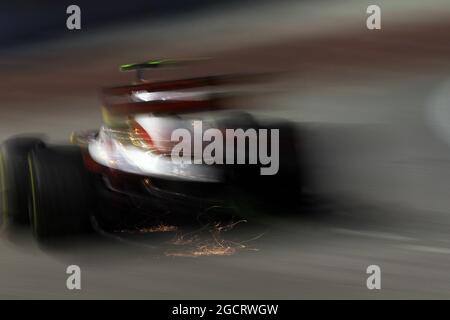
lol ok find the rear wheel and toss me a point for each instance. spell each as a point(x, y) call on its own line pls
point(61, 192)
point(14, 181)
point(277, 191)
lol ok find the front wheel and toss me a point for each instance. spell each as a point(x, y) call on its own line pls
point(61, 192)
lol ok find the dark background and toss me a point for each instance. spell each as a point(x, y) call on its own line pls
point(26, 21)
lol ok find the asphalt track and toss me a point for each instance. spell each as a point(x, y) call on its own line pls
point(371, 109)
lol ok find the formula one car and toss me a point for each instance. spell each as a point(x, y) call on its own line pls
point(124, 174)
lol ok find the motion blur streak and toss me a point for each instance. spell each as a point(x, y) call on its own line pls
point(379, 173)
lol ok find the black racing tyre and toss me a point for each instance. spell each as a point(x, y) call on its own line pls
point(61, 192)
point(14, 181)
point(280, 191)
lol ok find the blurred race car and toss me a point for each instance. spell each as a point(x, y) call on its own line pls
point(122, 175)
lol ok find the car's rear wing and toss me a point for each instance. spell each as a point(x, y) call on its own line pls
point(141, 67)
point(182, 84)
point(170, 106)
point(152, 64)
point(122, 99)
